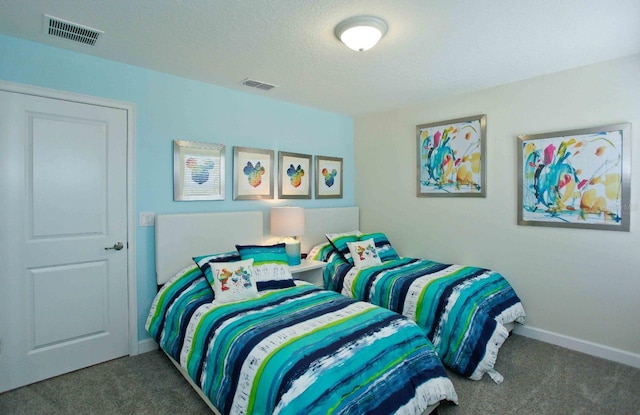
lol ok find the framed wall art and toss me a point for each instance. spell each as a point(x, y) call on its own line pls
point(328, 177)
point(451, 157)
point(198, 171)
point(294, 175)
point(575, 179)
point(252, 173)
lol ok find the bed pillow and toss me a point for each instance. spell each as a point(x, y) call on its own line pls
point(264, 254)
point(383, 246)
point(271, 263)
point(272, 276)
point(322, 252)
point(364, 253)
point(340, 240)
point(233, 281)
point(203, 262)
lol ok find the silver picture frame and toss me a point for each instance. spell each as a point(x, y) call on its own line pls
point(198, 171)
point(576, 178)
point(294, 175)
point(252, 173)
point(451, 158)
point(328, 177)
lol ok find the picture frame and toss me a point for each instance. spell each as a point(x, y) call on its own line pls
point(576, 178)
point(452, 158)
point(294, 175)
point(252, 173)
point(198, 171)
point(328, 177)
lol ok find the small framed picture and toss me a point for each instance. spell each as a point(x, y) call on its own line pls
point(294, 174)
point(198, 171)
point(328, 177)
point(252, 173)
point(452, 158)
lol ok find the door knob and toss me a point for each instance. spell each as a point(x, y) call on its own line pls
point(118, 246)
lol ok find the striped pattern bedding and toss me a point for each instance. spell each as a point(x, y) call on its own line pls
point(463, 310)
point(295, 350)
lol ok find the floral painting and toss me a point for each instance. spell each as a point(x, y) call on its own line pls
point(198, 171)
point(575, 178)
point(451, 157)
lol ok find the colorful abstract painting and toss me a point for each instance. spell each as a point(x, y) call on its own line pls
point(328, 177)
point(294, 175)
point(575, 178)
point(252, 173)
point(198, 171)
point(451, 157)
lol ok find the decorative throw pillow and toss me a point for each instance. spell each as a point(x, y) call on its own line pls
point(233, 281)
point(322, 252)
point(203, 262)
point(383, 246)
point(364, 253)
point(264, 254)
point(272, 276)
point(340, 240)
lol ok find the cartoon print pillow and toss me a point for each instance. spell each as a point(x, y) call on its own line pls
point(233, 281)
point(204, 260)
point(364, 253)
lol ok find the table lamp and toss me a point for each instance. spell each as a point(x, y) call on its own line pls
point(288, 222)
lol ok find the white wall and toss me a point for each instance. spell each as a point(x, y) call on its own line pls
point(582, 285)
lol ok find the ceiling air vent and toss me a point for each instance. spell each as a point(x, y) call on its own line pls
point(70, 31)
point(257, 84)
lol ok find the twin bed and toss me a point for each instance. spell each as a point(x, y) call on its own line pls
point(293, 347)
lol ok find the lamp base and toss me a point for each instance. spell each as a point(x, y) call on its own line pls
point(292, 247)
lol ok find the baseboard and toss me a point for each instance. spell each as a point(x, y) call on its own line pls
point(583, 346)
point(147, 345)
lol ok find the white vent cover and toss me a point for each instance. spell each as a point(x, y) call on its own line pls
point(257, 84)
point(54, 26)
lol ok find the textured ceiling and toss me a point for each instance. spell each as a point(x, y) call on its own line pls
point(434, 48)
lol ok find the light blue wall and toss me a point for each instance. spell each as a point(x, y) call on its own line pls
point(168, 108)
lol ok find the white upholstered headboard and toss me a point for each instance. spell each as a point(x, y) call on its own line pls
point(181, 236)
point(320, 221)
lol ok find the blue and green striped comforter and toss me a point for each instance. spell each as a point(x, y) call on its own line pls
point(297, 350)
point(463, 310)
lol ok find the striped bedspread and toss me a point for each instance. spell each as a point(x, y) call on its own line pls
point(297, 350)
point(462, 309)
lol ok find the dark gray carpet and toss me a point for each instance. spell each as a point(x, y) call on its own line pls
point(539, 379)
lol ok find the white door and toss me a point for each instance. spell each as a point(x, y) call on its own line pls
point(63, 186)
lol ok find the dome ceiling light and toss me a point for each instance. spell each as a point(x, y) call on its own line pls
point(361, 32)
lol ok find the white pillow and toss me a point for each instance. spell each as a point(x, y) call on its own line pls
point(233, 281)
point(272, 276)
point(271, 272)
point(364, 253)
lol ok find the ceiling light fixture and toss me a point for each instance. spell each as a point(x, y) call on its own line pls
point(361, 32)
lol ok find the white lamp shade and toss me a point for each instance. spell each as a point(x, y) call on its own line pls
point(361, 33)
point(287, 221)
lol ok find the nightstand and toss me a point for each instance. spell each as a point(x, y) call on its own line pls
point(309, 270)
